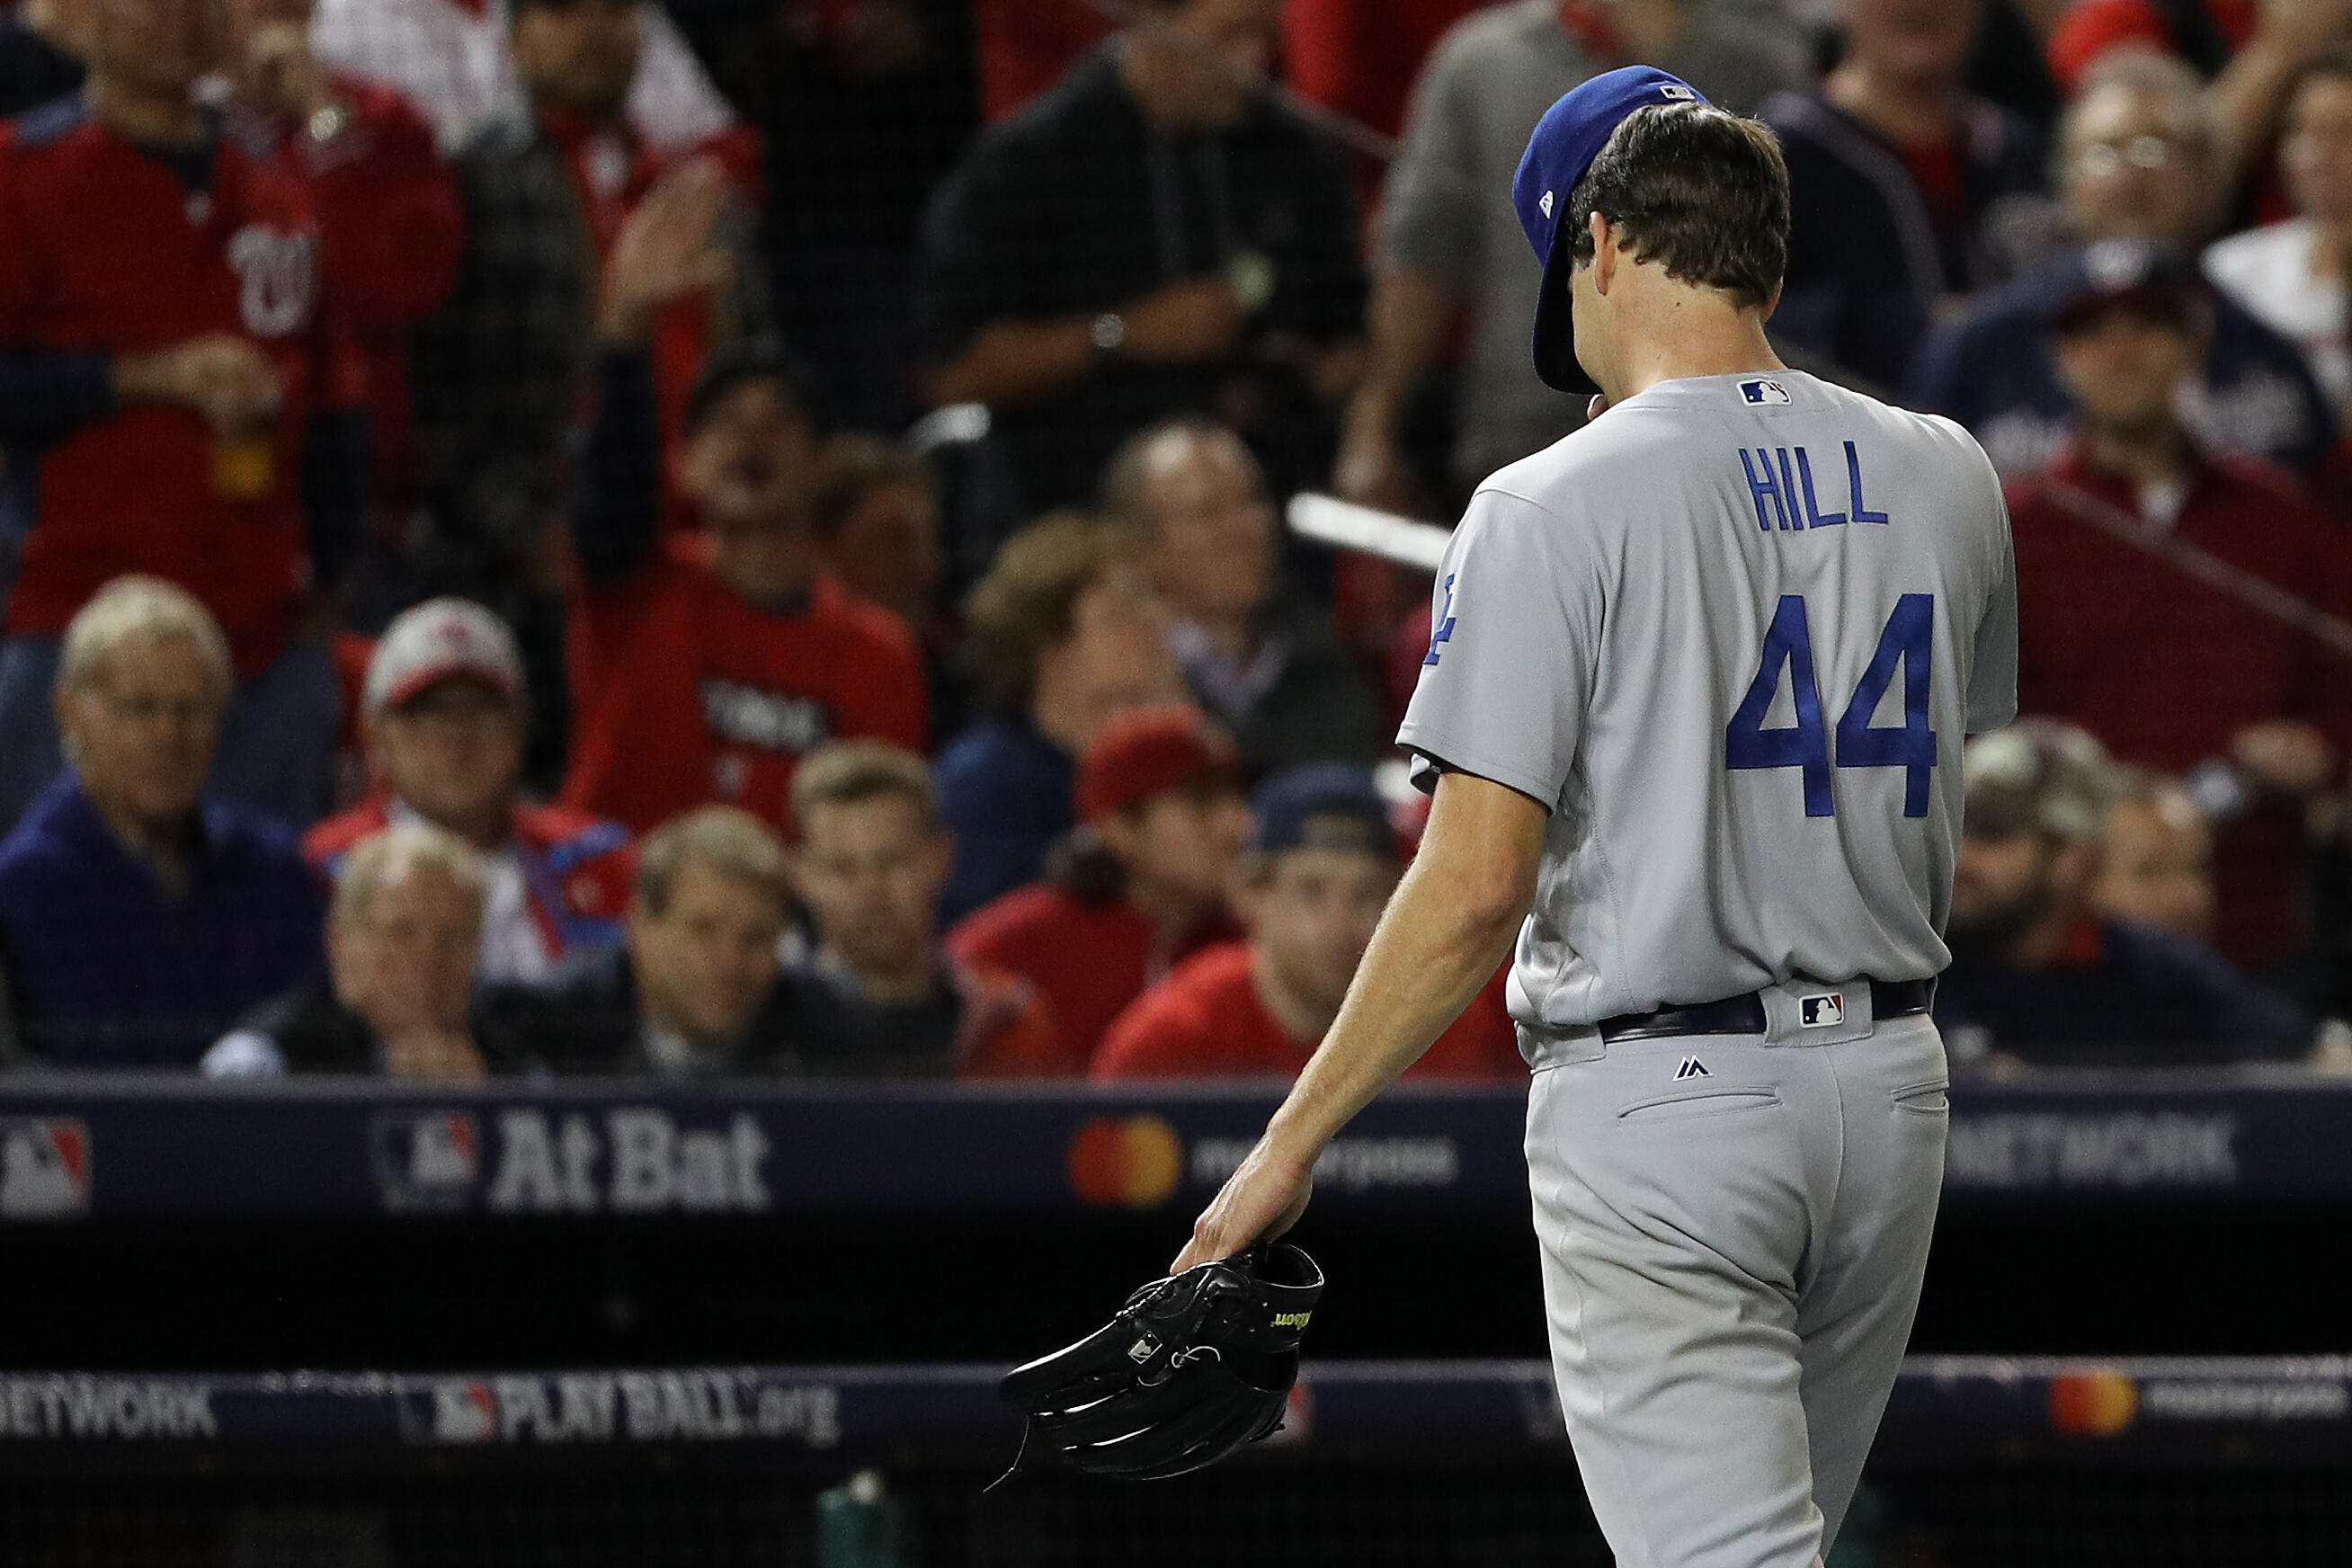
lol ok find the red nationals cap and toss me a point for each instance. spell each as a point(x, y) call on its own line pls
point(1147, 752)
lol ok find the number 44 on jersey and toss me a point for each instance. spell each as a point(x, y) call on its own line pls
point(1906, 645)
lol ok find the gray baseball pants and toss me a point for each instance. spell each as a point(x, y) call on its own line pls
point(1731, 1263)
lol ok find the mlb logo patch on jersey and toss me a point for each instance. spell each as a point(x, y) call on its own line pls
point(1763, 392)
point(1821, 1012)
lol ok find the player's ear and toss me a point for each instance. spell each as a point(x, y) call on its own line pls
point(1605, 253)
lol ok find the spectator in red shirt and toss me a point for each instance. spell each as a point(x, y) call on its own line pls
point(1323, 863)
point(391, 223)
point(443, 711)
point(503, 374)
point(706, 664)
point(877, 518)
point(883, 998)
point(1142, 886)
point(2119, 634)
point(172, 399)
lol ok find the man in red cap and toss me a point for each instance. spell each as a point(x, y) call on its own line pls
point(1142, 884)
point(443, 712)
point(1322, 863)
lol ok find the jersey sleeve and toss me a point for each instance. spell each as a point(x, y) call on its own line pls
point(1992, 671)
point(1513, 638)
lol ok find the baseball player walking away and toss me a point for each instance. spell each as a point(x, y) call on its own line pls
point(1693, 711)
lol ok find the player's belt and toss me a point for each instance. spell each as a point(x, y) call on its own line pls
point(1745, 1014)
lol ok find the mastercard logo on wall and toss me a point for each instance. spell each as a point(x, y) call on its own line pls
point(2093, 1401)
point(1126, 1161)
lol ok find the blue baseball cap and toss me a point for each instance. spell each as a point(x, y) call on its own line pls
point(1566, 140)
point(1320, 805)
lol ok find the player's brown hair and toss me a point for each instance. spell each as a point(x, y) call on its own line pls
point(1703, 192)
point(730, 841)
point(848, 772)
point(1026, 604)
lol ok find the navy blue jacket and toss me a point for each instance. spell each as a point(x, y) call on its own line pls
point(1992, 371)
point(107, 972)
point(1007, 793)
point(2143, 998)
point(1867, 259)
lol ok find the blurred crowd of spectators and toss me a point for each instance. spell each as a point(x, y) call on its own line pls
point(705, 537)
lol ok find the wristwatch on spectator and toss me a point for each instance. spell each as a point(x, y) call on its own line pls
point(1109, 336)
point(327, 123)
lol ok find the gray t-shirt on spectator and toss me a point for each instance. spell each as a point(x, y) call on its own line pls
point(1730, 635)
point(1447, 205)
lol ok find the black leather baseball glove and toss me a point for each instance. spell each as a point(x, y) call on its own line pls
point(1193, 1367)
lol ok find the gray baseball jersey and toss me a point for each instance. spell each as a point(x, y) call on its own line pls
point(1731, 634)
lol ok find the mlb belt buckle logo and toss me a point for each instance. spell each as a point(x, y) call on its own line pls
point(1763, 392)
point(1821, 1011)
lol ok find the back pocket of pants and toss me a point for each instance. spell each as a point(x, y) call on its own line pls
point(1931, 1097)
point(1690, 1104)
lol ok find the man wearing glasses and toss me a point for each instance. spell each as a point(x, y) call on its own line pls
point(2137, 160)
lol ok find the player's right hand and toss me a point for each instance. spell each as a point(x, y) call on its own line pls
point(1262, 1199)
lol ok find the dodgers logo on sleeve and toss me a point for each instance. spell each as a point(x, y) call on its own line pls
point(1443, 630)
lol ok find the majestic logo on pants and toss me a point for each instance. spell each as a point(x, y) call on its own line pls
point(1692, 1068)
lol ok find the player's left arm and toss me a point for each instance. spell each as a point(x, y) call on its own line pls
point(1449, 925)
